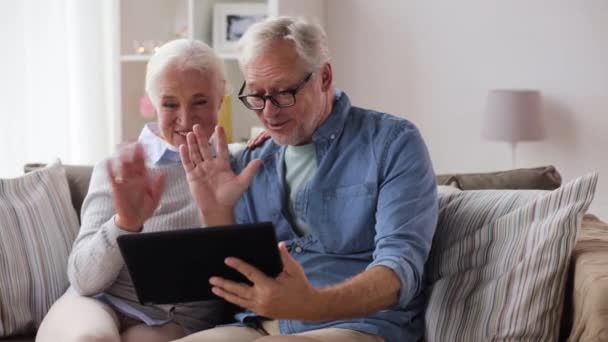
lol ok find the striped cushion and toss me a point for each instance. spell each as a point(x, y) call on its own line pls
point(499, 259)
point(37, 227)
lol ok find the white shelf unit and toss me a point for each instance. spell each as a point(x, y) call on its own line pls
point(153, 22)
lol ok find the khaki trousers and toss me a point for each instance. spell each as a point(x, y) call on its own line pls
point(269, 332)
point(74, 318)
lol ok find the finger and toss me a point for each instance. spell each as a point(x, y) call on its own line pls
point(193, 149)
point(239, 289)
point(253, 274)
point(158, 185)
point(255, 143)
point(221, 145)
point(231, 298)
point(138, 166)
point(128, 166)
point(245, 177)
point(289, 263)
point(258, 140)
point(184, 154)
point(139, 158)
point(111, 174)
point(264, 136)
point(203, 142)
point(132, 161)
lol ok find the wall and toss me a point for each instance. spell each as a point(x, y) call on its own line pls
point(11, 85)
point(433, 62)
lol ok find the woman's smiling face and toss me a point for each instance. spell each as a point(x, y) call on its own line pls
point(187, 97)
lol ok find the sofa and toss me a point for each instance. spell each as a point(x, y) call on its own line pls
point(585, 303)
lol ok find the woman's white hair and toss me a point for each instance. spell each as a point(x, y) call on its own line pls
point(309, 39)
point(184, 54)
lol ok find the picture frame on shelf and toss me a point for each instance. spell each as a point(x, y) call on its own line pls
point(231, 20)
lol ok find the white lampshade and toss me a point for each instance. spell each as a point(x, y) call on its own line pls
point(513, 115)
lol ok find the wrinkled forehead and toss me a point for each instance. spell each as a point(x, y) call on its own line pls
point(276, 66)
point(175, 79)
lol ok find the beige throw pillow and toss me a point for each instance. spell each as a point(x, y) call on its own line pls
point(497, 267)
point(37, 227)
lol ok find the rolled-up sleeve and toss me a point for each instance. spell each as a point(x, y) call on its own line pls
point(406, 213)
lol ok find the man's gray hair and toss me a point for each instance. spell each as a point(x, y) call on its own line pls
point(183, 54)
point(309, 39)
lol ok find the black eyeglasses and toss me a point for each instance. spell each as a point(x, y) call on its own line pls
point(281, 99)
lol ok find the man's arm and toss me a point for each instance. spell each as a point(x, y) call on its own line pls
point(291, 296)
point(366, 293)
point(407, 209)
point(405, 223)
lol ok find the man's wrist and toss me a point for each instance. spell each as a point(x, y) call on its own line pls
point(321, 305)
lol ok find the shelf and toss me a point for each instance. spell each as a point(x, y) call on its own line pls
point(146, 57)
point(135, 58)
point(151, 23)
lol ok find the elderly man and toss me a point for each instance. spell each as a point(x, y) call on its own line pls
point(351, 193)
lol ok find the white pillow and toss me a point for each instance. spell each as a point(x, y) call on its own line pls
point(498, 264)
point(37, 227)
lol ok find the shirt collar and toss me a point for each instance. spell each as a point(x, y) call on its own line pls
point(334, 124)
point(330, 129)
point(157, 150)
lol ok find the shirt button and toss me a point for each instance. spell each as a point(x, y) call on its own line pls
point(299, 249)
point(332, 137)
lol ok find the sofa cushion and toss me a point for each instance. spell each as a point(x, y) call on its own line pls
point(497, 267)
point(78, 177)
point(37, 227)
point(590, 283)
point(541, 178)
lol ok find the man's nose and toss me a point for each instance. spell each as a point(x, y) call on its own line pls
point(270, 109)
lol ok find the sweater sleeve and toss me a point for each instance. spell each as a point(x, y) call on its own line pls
point(95, 260)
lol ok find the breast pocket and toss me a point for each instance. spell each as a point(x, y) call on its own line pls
point(348, 218)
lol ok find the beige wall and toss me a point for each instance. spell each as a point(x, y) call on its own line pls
point(433, 63)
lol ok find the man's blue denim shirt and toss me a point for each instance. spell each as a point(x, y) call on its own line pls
point(372, 201)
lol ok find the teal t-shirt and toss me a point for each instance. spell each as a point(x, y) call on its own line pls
point(300, 165)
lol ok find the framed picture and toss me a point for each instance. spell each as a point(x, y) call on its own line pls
point(230, 21)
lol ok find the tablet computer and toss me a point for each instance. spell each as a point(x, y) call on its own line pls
point(175, 266)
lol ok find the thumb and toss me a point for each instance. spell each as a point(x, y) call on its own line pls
point(250, 170)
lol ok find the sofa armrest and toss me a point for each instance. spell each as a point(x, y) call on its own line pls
point(543, 178)
point(589, 306)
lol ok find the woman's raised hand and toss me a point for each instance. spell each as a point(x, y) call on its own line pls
point(135, 192)
point(213, 184)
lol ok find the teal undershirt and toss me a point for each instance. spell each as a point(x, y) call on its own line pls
point(300, 165)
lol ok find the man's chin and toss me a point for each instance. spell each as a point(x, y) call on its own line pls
point(282, 139)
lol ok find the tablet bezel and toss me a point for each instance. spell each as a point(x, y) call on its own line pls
point(174, 266)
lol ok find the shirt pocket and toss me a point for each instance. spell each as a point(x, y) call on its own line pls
point(348, 218)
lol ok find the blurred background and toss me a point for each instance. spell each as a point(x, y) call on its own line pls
point(71, 73)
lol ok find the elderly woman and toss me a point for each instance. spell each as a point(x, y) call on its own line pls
point(143, 189)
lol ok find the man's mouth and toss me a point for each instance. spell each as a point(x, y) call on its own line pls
point(182, 133)
point(276, 125)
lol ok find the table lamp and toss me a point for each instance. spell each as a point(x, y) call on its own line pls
point(513, 115)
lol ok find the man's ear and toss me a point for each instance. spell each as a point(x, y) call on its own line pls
point(326, 77)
